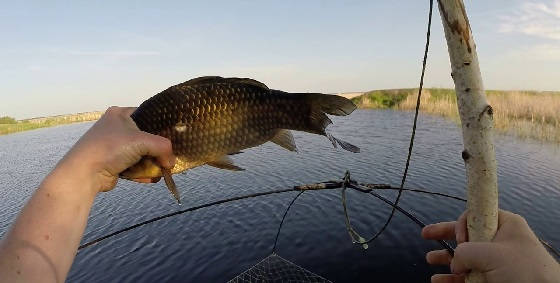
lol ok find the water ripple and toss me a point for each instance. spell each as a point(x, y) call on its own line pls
point(215, 244)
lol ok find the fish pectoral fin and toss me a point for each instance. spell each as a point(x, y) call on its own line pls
point(170, 184)
point(285, 139)
point(224, 162)
point(345, 145)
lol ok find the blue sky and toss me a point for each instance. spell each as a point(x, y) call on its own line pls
point(71, 56)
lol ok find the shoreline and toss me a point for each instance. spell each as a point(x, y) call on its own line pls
point(46, 122)
point(524, 114)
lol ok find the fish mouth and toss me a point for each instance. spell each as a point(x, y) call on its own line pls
point(170, 184)
point(145, 169)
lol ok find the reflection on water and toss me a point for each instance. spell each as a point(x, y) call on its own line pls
point(215, 244)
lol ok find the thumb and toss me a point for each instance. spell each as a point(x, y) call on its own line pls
point(478, 256)
point(157, 147)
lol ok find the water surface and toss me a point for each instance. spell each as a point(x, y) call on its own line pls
point(217, 243)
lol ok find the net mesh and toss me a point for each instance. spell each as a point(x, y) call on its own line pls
point(274, 268)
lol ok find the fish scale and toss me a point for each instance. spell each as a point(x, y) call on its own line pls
point(208, 118)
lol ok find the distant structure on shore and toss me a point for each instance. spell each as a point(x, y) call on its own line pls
point(67, 118)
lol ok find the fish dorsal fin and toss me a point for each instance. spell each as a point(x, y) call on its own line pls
point(247, 81)
point(203, 80)
point(285, 139)
point(225, 162)
point(220, 80)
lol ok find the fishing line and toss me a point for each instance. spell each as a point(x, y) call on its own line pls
point(336, 184)
point(318, 186)
point(408, 214)
point(329, 185)
point(311, 187)
point(181, 212)
point(284, 217)
point(413, 129)
point(254, 195)
point(387, 187)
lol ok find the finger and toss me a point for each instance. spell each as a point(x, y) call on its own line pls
point(439, 231)
point(505, 216)
point(461, 228)
point(439, 257)
point(448, 278)
point(479, 256)
point(156, 146)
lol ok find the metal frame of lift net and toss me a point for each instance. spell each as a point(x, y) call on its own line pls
point(274, 268)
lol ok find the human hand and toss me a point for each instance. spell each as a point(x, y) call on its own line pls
point(42, 243)
point(113, 144)
point(514, 255)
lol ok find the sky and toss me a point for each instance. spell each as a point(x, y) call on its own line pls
point(59, 57)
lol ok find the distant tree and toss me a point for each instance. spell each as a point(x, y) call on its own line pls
point(7, 120)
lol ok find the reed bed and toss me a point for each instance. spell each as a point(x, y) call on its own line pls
point(526, 114)
point(19, 127)
point(36, 123)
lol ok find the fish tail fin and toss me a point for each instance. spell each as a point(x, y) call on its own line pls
point(330, 104)
point(322, 104)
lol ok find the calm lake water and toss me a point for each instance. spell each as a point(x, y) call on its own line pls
point(215, 244)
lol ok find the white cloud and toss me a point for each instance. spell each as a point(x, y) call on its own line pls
point(540, 52)
point(534, 18)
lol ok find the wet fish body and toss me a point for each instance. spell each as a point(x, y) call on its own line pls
point(207, 119)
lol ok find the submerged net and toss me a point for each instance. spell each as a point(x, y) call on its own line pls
point(274, 268)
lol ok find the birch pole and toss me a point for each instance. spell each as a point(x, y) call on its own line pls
point(477, 126)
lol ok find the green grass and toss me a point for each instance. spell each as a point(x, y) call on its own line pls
point(26, 125)
point(526, 114)
point(381, 98)
point(7, 120)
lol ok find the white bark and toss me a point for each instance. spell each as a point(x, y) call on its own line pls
point(477, 125)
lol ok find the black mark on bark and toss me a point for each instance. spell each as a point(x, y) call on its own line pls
point(465, 155)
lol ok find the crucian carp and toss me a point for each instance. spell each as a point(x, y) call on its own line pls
point(207, 119)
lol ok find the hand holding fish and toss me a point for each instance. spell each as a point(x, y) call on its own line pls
point(515, 254)
point(201, 121)
point(115, 143)
point(42, 243)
